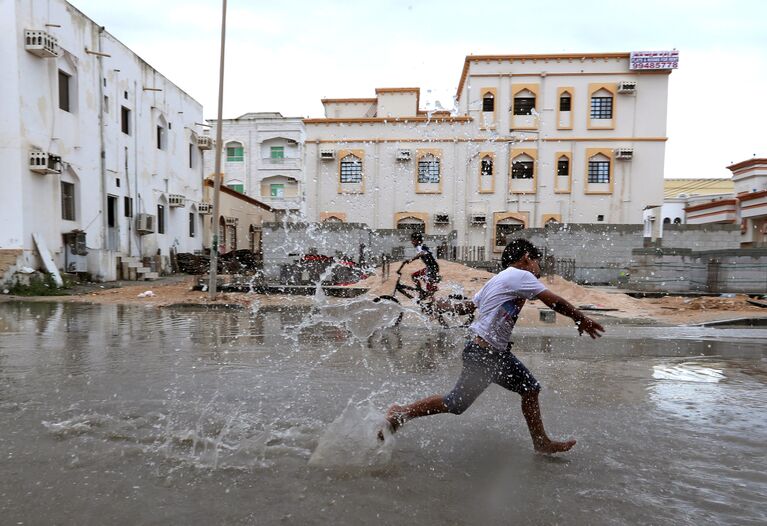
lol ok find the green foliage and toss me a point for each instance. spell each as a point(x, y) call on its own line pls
point(40, 287)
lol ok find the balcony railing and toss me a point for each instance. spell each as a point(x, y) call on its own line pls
point(292, 162)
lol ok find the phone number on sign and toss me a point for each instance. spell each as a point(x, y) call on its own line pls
point(654, 65)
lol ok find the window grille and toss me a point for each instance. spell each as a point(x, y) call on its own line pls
point(428, 170)
point(565, 103)
point(599, 171)
point(235, 154)
point(488, 103)
point(563, 167)
point(487, 166)
point(601, 107)
point(351, 169)
point(524, 105)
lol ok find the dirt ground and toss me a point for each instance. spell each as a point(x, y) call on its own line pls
point(672, 310)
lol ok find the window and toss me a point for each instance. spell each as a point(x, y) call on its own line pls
point(125, 95)
point(235, 153)
point(237, 187)
point(277, 152)
point(677, 220)
point(503, 231)
point(64, 91)
point(191, 155)
point(160, 137)
point(563, 167)
point(160, 219)
point(277, 191)
point(666, 220)
point(600, 218)
point(351, 169)
point(522, 169)
point(565, 102)
point(125, 120)
point(67, 201)
point(191, 224)
point(106, 104)
point(599, 172)
point(601, 107)
point(524, 105)
point(128, 206)
point(441, 219)
point(428, 169)
point(488, 102)
point(486, 166)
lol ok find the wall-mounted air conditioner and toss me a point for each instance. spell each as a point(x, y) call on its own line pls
point(478, 219)
point(627, 87)
point(205, 142)
point(441, 219)
point(624, 154)
point(41, 43)
point(176, 200)
point(204, 208)
point(404, 155)
point(327, 154)
point(145, 223)
point(44, 163)
point(230, 221)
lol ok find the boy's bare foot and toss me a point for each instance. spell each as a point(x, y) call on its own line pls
point(395, 416)
point(554, 447)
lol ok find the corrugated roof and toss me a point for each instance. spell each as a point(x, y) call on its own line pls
point(673, 187)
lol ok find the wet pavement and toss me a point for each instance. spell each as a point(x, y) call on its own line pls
point(134, 415)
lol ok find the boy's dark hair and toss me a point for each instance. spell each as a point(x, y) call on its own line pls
point(516, 250)
point(417, 237)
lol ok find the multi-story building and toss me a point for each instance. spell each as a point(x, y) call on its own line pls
point(99, 150)
point(577, 138)
point(263, 158)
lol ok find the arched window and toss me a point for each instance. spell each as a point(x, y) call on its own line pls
point(235, 152)
point(522, 167)
point(236, 185)
point(487, 165)
point(524, 102)
point(411, 223)
point(505, 228)
point(351, 169)
point(677, 220)
point(563, 166)
point(565, 101)
point(488, 102)
point(599, 169)
point(332, 219)
point(601, 105)
point(666, 220)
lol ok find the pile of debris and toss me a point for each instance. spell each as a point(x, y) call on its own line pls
point(234, 262)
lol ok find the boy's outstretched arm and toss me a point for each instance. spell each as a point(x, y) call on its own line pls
point(562, 306)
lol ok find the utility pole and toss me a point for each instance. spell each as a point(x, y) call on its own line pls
point(213, 271)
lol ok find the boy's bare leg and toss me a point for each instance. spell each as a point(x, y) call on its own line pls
point(542, 443)
point(399, 414)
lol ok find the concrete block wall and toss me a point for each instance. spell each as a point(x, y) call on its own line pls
point(701, 237)
point(685, 270)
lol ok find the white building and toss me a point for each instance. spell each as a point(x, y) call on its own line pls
point(746, 206)
point(93, 140)
point(536, 138)
point(263, 158)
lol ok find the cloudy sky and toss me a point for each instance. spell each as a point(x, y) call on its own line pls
point(286, 55)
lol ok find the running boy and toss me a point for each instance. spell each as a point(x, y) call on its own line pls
point(429, 275)
point(487, 357)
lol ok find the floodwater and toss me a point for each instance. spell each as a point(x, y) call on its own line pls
point(131, 415)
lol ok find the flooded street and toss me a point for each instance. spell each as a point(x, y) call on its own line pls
point(132, 415)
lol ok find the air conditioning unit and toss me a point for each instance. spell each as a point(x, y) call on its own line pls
point(441, 219)
point(624, 154)
point(145, 223)
point(404, 155)
point(628, 87)
point(204, 208)
point(44, 163)
point(230, 221)
point(176, 200)
point(327, 154)
point(41, 43)
point(205, 142)
point(477, 219)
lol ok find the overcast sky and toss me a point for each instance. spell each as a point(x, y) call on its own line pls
point(286, 55)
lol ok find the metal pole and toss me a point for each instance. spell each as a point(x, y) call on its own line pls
point(217, 171)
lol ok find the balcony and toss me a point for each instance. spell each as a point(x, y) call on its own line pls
point(290, 163)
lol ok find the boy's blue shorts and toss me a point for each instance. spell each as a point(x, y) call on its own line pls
point(482, 367)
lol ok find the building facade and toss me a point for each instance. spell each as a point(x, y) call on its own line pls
point(534, 139)
point(746, 206)
point(263, 158)
point(99, 150)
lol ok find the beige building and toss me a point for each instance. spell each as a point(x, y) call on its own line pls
point(535, 138)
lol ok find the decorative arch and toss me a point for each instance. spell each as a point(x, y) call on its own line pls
point(565, 99)
point(415, 221)
point(489, 103)
point(602, 104)
point(505, 224)
point(333, 217)
point(591, 185)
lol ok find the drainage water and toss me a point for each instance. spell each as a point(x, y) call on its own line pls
point(130, 415)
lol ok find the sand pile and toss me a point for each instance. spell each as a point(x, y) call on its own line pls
point(737, 303)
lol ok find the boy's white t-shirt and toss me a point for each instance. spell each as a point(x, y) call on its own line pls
point(499, 303)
